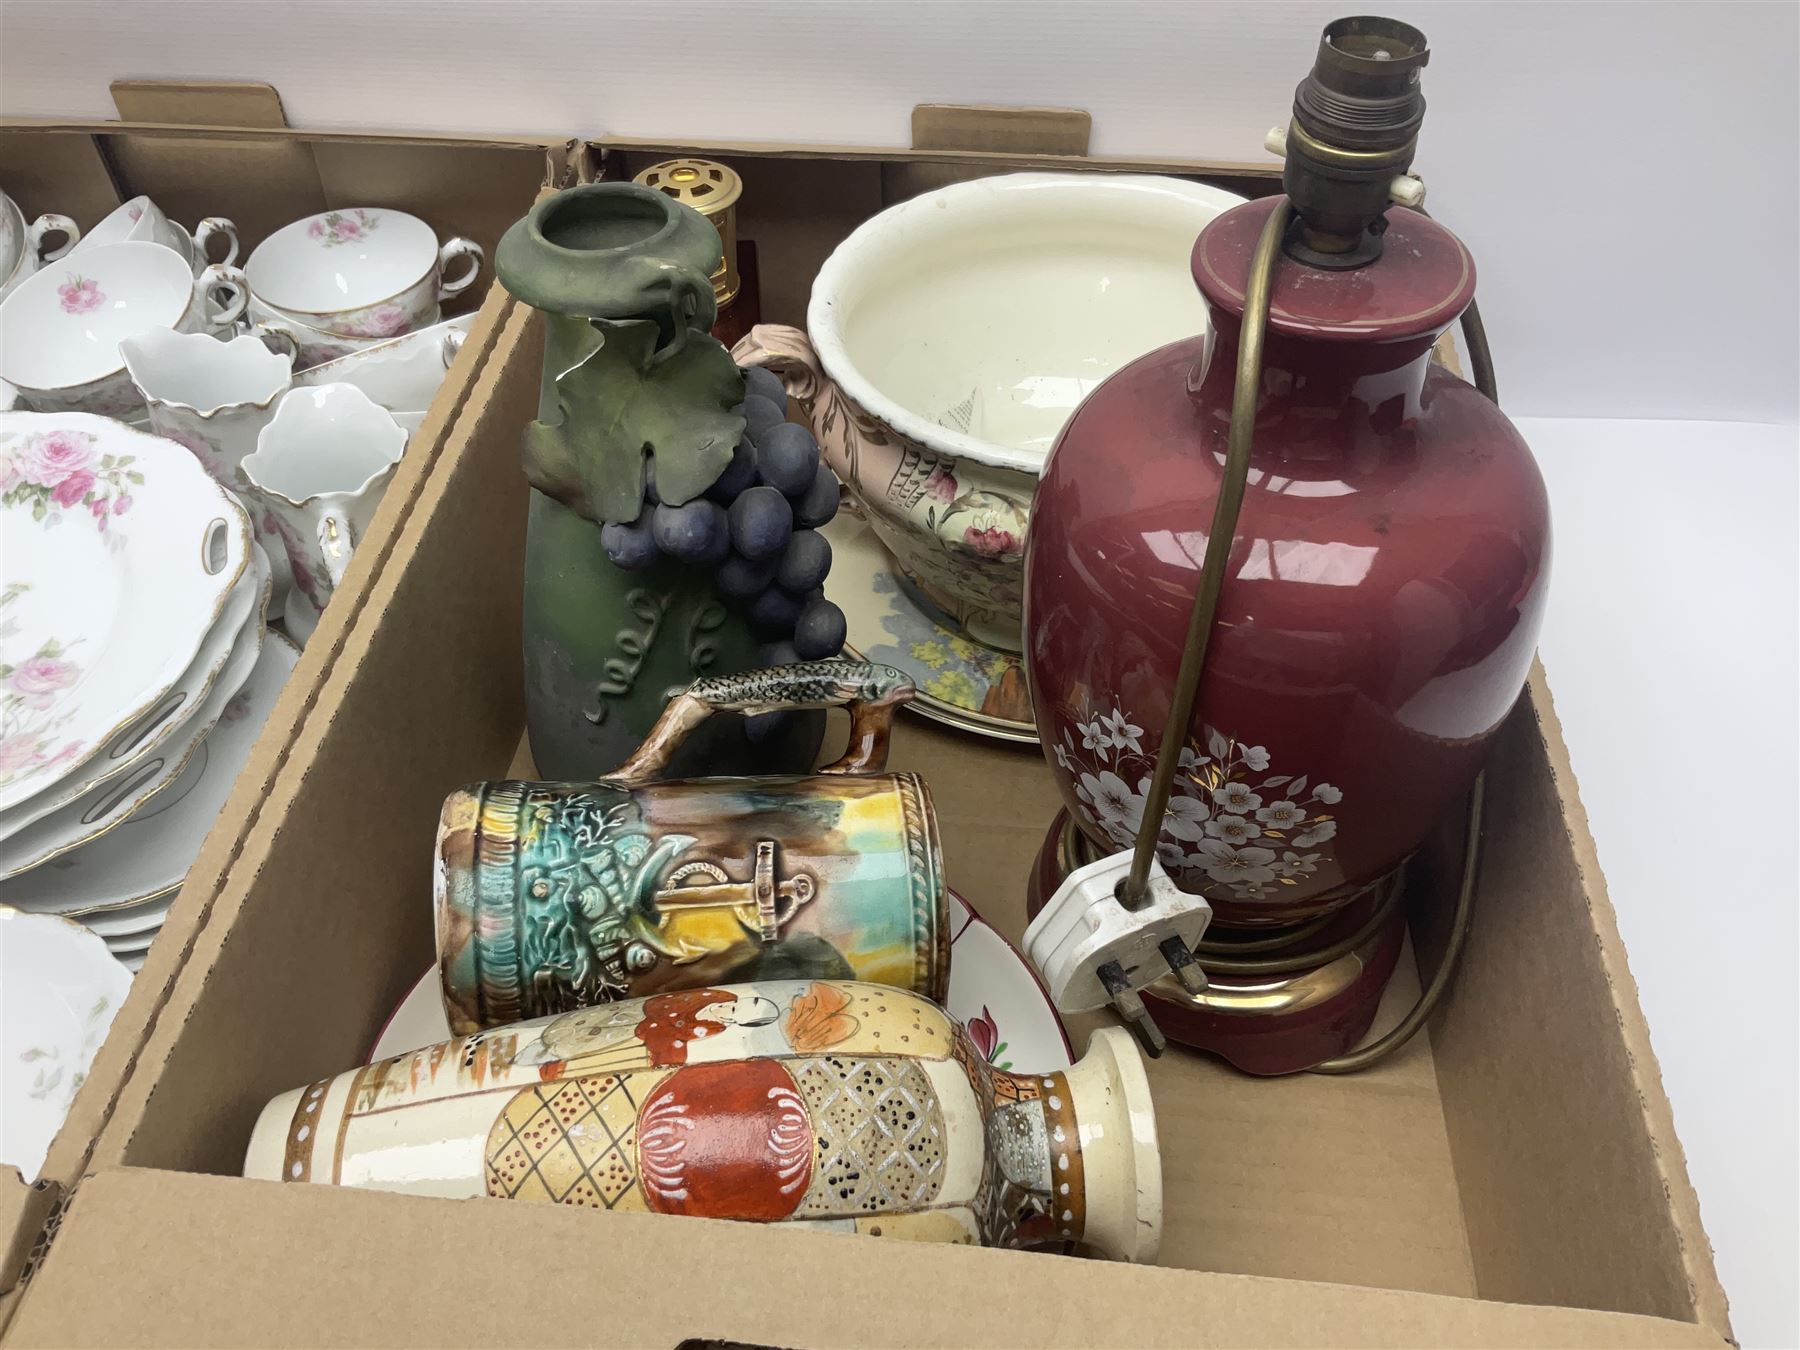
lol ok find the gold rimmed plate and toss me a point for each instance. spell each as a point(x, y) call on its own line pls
point(120, 555)
point(147, 854)
point(964, 683)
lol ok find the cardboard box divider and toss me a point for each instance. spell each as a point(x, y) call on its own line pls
point(1484, 1187)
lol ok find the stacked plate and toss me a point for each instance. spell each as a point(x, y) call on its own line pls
point(135, 670)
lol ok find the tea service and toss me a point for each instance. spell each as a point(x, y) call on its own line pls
point(157, 440)
point(60, 329)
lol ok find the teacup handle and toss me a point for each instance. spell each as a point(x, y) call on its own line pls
point(449, 253)
point(281, 341)
point(216, 227)
point(51, 224)
point(219, 277)
point(335, 545)
point(871, 692)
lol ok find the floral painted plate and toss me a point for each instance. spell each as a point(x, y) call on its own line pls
point(964, 683)
point(137, 741)
point(148, 854)
point(993, 992)
point(113, 803)
point(119, 555)
point(59, 992)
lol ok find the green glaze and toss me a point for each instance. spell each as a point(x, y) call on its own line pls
point(622, 275)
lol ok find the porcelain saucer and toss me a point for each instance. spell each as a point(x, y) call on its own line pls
point(121, 555)
point(148, 854)
point(964, 683)
point(112, 803)
point(59, 993)
point(993, 992)
point(136, 742)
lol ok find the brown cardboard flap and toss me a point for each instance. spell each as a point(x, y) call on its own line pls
point(1538, 1109)
point(247, 813)
point(1017, 131)
point(24, 1208)
point(367, 902)
point(219, 103)
point(269, 1264)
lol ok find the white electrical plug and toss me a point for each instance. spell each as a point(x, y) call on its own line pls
point(1092, 951)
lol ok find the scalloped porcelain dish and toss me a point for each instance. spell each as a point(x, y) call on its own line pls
point(114, 802)
point(59, 993)
point(169, 715)
point(993, 993)
point(146, 857)
point(117, 556)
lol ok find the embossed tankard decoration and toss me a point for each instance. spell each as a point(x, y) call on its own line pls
point(555, 896)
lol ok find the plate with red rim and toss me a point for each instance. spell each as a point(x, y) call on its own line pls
point(993, 992)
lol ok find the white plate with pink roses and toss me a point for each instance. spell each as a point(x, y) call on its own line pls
point(117, 556)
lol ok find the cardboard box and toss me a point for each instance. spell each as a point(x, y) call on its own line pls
point(1513, 1178)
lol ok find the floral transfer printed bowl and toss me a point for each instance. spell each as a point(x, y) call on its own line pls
point(359, 273)
point(950, 337)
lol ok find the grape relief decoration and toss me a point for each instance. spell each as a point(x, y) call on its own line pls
point(1232, 822)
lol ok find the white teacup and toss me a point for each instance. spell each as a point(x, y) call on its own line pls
point(22, 246)
point(60, 330)
point(141, 220)
point(359, 273)
point(321, 465)
point(215, 398)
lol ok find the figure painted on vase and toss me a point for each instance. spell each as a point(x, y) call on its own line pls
point(827, 1103)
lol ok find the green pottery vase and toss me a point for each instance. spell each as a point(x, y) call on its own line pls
point(631, 377)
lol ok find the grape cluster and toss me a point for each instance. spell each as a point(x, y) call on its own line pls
point(757, 528)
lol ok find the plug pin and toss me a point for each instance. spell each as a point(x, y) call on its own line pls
point(1127, 1004)
point(1183, 965)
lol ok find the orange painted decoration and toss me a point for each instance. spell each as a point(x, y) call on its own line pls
point(725, 1141)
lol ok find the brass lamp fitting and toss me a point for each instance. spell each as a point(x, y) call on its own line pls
point(1354, 130)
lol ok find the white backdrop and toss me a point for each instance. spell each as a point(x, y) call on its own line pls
point(1626, 176)
point(1623, 172)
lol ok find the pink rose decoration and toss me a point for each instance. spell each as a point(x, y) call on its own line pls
point(316, 230)
point(39, 678)
point(121, 503)
point(72, 489)
point(941, 486)
point(80, 296)
point(991, 543)
point(52, 457)
point(9, 473)
point(16, 751)
point(348, 229)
